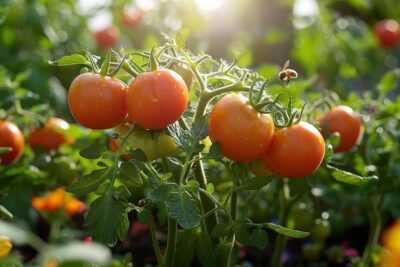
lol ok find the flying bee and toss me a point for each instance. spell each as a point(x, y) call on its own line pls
point(286, 74)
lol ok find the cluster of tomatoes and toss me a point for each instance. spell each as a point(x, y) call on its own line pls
point(109, 36)
point(388, 33)
point(295, 151)
point(48, 138)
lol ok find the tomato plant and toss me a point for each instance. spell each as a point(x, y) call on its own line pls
point(11, 138)
point(295, 151)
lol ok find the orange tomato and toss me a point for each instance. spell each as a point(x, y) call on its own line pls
point(346, 122)
point(11, 136)
point(243, 133)
point(295, 151)
point(112, 143)
point(48, 137)
point(156, 99)
point(96, 101)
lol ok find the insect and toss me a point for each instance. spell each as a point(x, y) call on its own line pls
point(286, 74)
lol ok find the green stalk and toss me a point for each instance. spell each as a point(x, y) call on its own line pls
point(171, 242)
point(283, 218)
point(156, 247)
point(232, 235)
point(374, 212)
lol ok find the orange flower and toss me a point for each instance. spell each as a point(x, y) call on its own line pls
point(57, 199)
point(73, 205)
point(388, 259)
point(391, 238)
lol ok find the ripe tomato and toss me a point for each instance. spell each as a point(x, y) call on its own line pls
point(243, 133)
point(96, 101)
point(185, 72)
point(388, 33)
point(156, 99)
point(112, 143)
point(11, 136)
point(346, 122)
point(130, 18)
point(48, 137)
point(296, 151)
point(107, 38)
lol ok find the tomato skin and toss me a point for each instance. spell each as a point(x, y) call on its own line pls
point(295, 151)
point(156, 99)
point(343, 120)
point(96, 101)
point(107, 38)
point(388, 33)
point(11, 136)
point(243, 133)
point(131, 18)
point(48, 137)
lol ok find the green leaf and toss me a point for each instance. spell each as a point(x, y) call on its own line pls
point(216, 151)
point(192, 185)
point(286, 231)
point(184, 209)
point(259, 238)
point(205, 251)
point(5, 213)
point(256, 183)
point(138, 154)
point(93, 151)
point(129, 173)
point(74, 59)
point(106, 219)
point(123, 227)
point(78, 251)
point(186, 247)
point(144, 216)
point(4, 150)
point(389, 81)
point(210, 188)
point(163, 192)
point(89, 183)
point(220, 230)
point(348, 177)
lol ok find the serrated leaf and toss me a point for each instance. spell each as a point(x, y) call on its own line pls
point(163, 192)
point(89, 183)
point(389, 81)
point(259, 238)
point(216, 151)
point(348, 177)
point(128, 172)
point(106, 219)
point(93, 151)
point(286, 231)
point(186, 246)
point(183, 208)
point(205, 251)
point(74, 59)
point(199, 129)
point(256, 183)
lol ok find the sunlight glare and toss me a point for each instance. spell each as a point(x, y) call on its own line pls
point(209, 5)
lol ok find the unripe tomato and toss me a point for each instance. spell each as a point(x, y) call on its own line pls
point(295, 151)
point(303, 215)
point(388, 33)
point(107, 38)
point(321, 230)
point(156, 99)
point(48, 137)
point(5, 246)
point(244, 134)
point(343, 120)
point(258, 168)
point(11, 136)
point(130, 18)
point(185, 72)
point(311, 251)
point(64, 170)
point(96, 101)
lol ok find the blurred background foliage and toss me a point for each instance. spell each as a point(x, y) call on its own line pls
point(329, 41)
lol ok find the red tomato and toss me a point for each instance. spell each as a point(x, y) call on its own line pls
point(112, 143)
point(346, 122)
point(48, 137)
point(157, 99)
point(296, 151)
point(96, 101)
point(11, 136)
point(131, 18)
point(243, 133)
point(107, 38)
point(388, 33)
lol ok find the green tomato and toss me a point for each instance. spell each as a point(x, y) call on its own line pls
point(184, 72)
point(302, 214)
point(63, 170)
point(321, 230)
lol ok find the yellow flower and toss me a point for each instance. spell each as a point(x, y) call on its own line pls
point(5, 246)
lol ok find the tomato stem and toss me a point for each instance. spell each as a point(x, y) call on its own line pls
point(106, 64)
point(156, 247)
point(171, 242)
point(152, 60)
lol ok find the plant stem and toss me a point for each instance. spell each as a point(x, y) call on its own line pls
point(232, 235)
point(374, 211)
point(171, 242)
point(156, 247)
point(283, 218)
